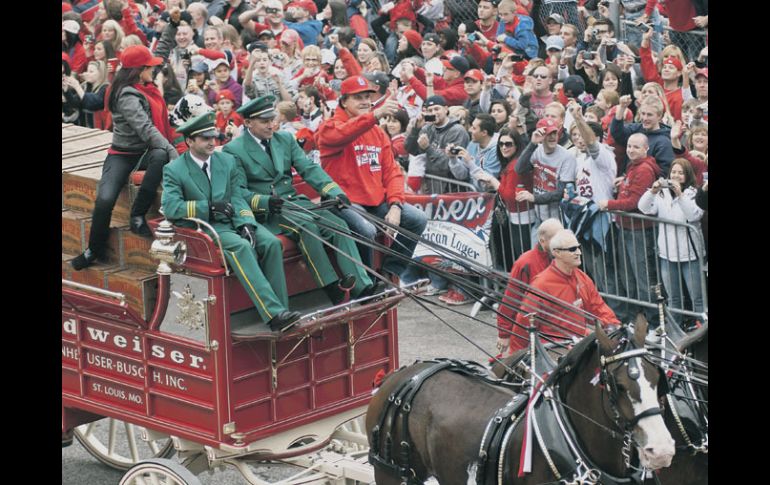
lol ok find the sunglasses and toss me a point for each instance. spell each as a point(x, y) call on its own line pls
point(540, 76)
point(506, 144)
point(571, 249)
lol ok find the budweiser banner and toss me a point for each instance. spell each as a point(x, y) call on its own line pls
point(458, 222)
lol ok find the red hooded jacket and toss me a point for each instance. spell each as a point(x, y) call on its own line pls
point(640, 176)
point(453, 91)
point(358, 155)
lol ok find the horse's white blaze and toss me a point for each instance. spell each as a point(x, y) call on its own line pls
point(656, 442)
point(472, 473)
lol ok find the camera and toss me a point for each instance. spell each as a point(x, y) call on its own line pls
point(184, 54)
point(429, 117)
point(496, 49)
point(644, 27)
point(516, 57)
point(89, 39)
point(595, 32)
point(270, 10)
point(588, 55)
point(454, 151)
point(702, 64)
point(665, 184)
point(472, 37)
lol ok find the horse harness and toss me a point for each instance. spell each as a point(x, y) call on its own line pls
point(395, 413)
point(555, 434)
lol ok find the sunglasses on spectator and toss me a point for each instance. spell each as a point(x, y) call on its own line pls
point(272, 10)
point(571, 249)
point(312, 59)
point(540, 76)
point(506, 144)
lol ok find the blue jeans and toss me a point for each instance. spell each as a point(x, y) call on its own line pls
point(672, 274)
point(412, 219)
point(639, 268)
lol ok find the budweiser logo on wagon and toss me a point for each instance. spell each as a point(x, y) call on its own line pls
point(124, 341)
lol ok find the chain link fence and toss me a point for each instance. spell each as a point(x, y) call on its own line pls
point(691, 43)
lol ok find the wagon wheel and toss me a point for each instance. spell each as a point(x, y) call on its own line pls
point(117, 444)
point(159, 471)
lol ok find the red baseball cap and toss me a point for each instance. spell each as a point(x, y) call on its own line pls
point(225, 94)
point(549, 125)
point(674, 61)
point(474, 74)
point(138, 56)
point(308, 5)
point(414, 38)
point(355, 84)
point(702, 72)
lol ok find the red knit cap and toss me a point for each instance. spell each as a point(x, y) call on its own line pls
point(414, 38)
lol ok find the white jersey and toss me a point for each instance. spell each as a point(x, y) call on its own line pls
point(595, 172)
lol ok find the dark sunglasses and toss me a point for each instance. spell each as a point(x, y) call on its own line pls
point(571, 249)
point(540, 76)
point(272, 10)
point(506, 144)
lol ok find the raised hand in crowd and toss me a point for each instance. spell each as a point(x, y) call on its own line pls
point(623, 104)
point(701, 21)
point(423, 141)
point(676, 135)
point(388, 108)
point(538, 136)
point(407, 72)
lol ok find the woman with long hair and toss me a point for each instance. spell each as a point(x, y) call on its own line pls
point(141, 137)
point(512, 222)
point(91, 93)
point(113, 33)
point(678, 251)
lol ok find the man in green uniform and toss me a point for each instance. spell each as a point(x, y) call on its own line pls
point(266, 159)
point(204, 184)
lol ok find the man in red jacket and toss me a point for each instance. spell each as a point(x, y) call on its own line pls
point(635, 235)
point(529, 265)
point(564, 281)
point(357, 154)
point(451, 86)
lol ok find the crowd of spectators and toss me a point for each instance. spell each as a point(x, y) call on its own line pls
point(536, 100)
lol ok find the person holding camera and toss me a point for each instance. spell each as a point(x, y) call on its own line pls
point(674, 200)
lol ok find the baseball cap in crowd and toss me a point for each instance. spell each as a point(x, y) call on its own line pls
point(225, 94)
point(65, 7)
point(290, 36)
point(434, 100)
point(165, 16)
point(262, 108)
point(266, 33)
point(432, 37)
point(138, 56)
point(457, 63)
point(257, 44)
point(549, 125)
point(70, 26)
point(702, 72)
point(356, 84)
point(308, 5)
point(554, 42)
point(414, 38)
point(379, 79)
point(327, 56)
point(474, 74)
point(557, 18)
point(215, 63)
point(199, 67)
point(674, 61)
point(574, 86)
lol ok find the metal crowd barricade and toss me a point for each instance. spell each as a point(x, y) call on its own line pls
point(629, 263)
point(433, 184)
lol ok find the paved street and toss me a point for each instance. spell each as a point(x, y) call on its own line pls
point(421, 335)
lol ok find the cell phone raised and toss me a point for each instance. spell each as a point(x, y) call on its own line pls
point(644, 27)
point(429, 118)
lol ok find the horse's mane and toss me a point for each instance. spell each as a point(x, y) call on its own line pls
point(693, 337)
point(572, 358)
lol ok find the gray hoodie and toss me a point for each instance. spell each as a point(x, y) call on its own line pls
point(436, 159)
point(132, 128)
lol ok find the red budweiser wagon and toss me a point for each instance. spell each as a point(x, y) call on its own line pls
point(158, 367)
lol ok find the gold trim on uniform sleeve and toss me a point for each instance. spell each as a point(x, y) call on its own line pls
point(328, 187)
point(255, 203)
point(245, 213)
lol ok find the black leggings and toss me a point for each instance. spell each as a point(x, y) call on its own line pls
point(115, 173)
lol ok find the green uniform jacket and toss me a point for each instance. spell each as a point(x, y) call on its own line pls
point(265, 177)
point(188, 193)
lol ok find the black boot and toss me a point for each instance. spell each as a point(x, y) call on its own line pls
point(283, 321)
point(339, 290)
point(373, 289)
point(138, 225)
point(84, 260)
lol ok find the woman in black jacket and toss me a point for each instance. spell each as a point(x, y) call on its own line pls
point(141, 134)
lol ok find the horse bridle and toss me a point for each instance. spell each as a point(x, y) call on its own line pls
point(608, 380)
